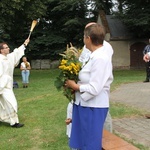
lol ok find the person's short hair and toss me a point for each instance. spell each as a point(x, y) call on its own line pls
point(96, 32)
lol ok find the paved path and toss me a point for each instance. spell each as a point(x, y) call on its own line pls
point(136, 128)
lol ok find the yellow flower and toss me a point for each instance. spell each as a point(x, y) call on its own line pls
point(62, 67)
point(27, 64)
point(70, 67)
point(63, 62)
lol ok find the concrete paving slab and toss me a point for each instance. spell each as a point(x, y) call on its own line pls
point(136, 95)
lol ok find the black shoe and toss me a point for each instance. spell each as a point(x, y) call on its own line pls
point(146, 81)
point(17, 125)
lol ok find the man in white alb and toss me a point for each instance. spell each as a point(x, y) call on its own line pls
point(8, 103)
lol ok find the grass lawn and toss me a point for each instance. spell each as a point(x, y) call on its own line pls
point(43, 111)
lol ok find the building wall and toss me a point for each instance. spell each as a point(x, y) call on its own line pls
point(120, 59)
point(44, 64)
point(121, 56)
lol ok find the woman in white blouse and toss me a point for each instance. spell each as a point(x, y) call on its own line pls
point(25, 71)
point(92, 92)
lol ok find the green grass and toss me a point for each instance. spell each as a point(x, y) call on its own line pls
point(43, 111)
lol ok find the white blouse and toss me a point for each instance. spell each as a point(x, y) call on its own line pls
point(94, 80)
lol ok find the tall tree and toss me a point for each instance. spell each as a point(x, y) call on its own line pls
point(136, 15)
point(105, 5)
point(17, 15)
point(63, 23)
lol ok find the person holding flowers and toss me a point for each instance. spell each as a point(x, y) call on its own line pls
point(91, 92)
point(25, 71)
point(84, 58)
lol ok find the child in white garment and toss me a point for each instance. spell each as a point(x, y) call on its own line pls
point(69, 121)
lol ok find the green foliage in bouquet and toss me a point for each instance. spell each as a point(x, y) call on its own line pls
point(69, 69)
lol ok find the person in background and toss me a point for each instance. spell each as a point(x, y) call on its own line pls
point(92, 92)
point(8, 102)
point(147, 63)
point(25, 71)
point(146, 57)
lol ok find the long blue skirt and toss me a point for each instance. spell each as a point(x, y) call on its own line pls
point(87, 127)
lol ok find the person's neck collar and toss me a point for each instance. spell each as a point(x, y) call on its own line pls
point(3, 54)
point(93, 48)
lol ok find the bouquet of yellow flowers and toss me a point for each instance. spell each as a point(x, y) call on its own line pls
point(27, 64)
point(69, 69)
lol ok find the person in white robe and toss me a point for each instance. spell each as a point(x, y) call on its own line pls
point(69, 122)
point(8, 102)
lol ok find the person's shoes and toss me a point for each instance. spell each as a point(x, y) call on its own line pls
point(147, 116)
point(146, 81)
point(17, 125)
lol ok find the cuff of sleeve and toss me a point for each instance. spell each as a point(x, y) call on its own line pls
point(24, 45)
point(81, 89)
point(86, 96)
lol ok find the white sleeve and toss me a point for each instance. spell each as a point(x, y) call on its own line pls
point(69, 110)
point(148, 53)
point(5, 82)
point(16, 55)
point(84, 55)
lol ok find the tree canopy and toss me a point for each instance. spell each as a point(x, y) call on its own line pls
point(136, 15)
point(63, 21)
